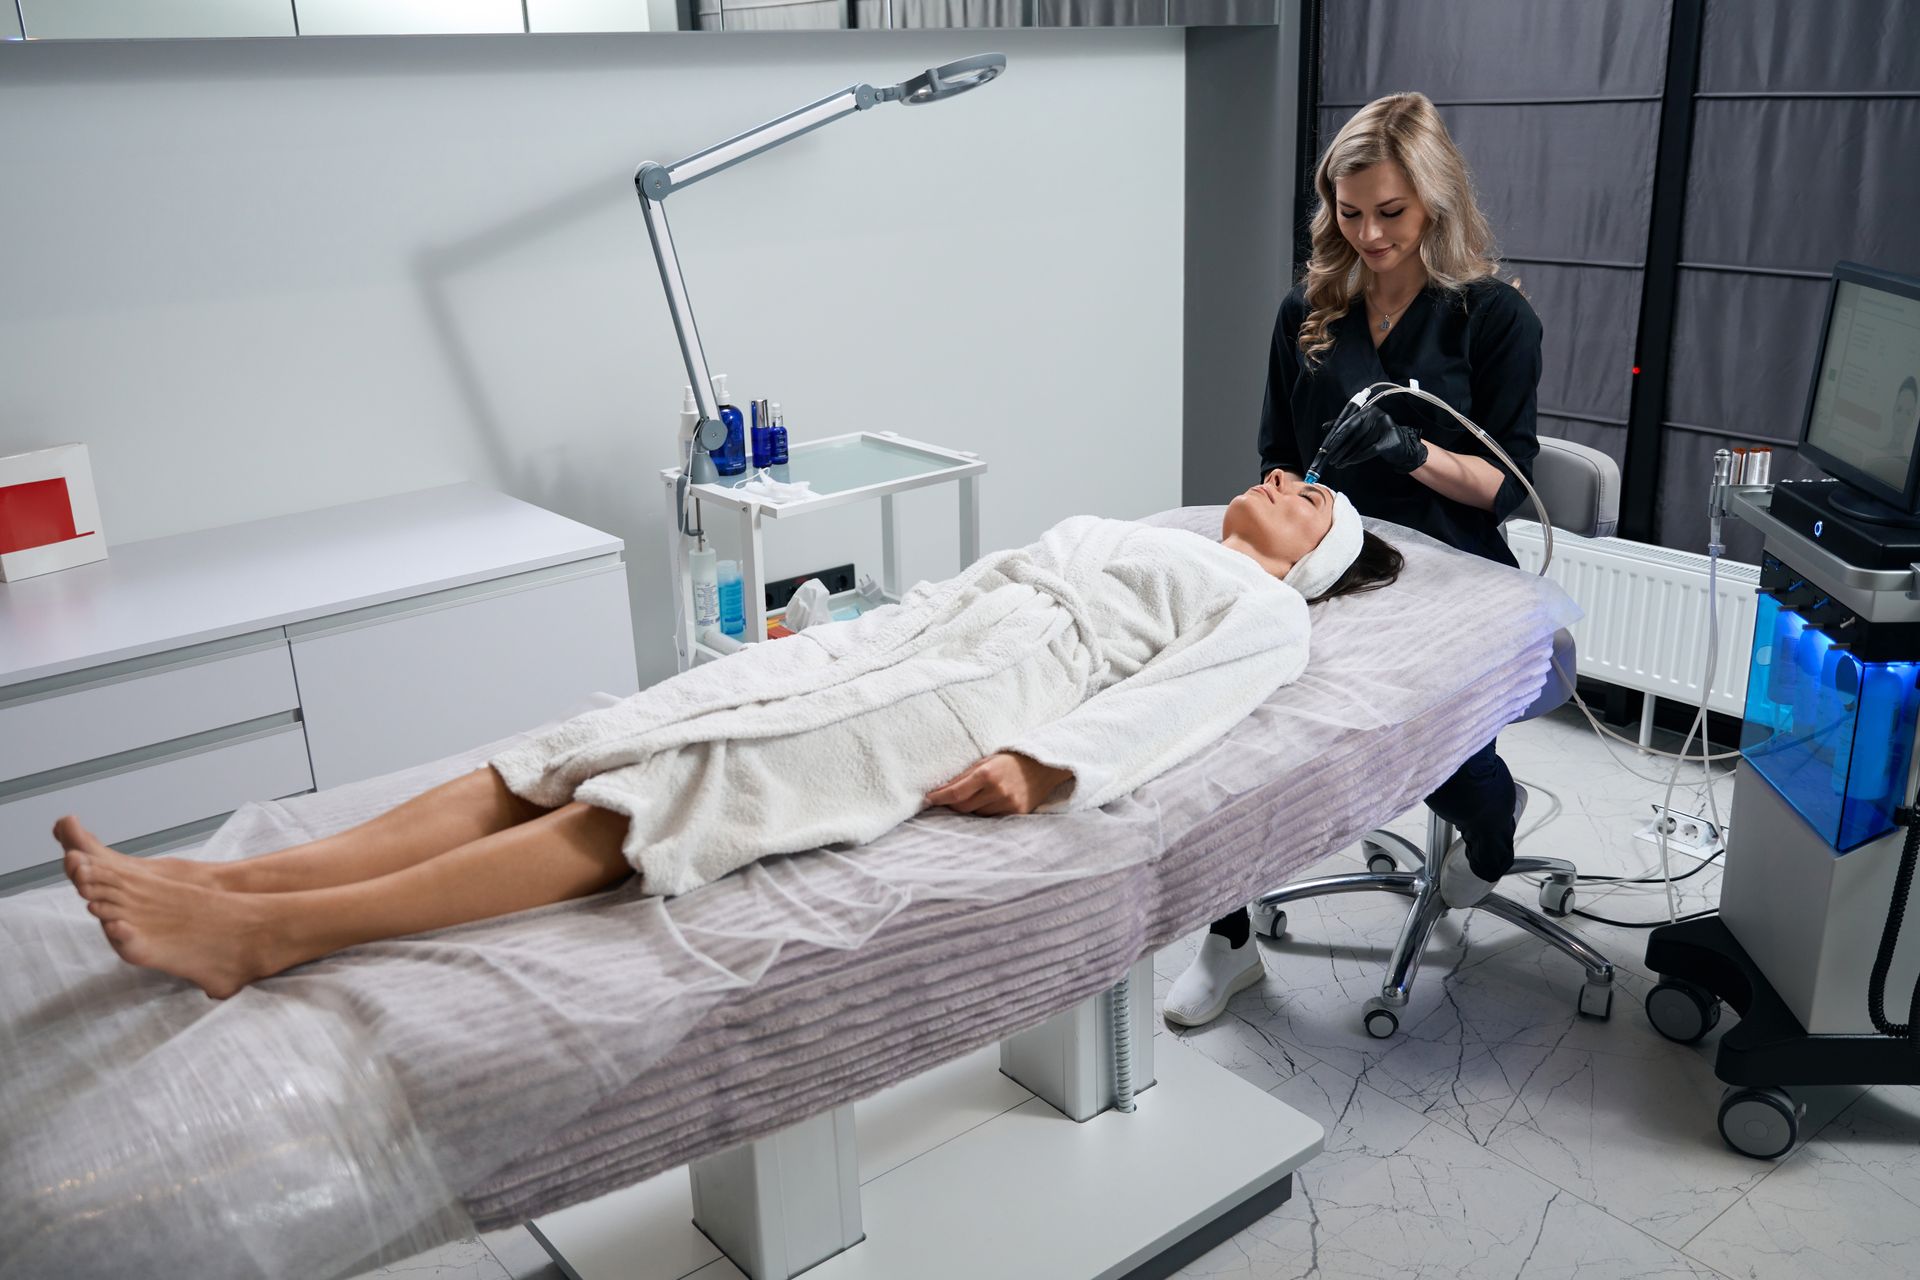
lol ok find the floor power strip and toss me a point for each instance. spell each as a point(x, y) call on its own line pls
point(1688, 832)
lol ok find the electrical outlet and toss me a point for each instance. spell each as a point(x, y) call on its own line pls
point(1688, 832)
point(837, 579)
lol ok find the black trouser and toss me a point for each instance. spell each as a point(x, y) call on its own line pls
point(1478, 800)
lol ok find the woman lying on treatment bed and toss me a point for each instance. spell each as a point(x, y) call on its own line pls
point(1068, 673)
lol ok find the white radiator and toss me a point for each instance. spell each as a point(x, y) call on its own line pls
point(1646, 607)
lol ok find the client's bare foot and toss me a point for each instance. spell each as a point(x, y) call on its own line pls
point(216, 940)
point(72, 836)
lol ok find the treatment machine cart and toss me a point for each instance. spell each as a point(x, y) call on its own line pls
point(1822, 822)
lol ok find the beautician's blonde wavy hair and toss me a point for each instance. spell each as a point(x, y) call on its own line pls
point(1456, 246)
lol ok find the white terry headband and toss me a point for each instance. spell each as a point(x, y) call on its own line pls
point(1315, 573)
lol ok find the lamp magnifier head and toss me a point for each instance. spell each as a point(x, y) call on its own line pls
point(947, 80)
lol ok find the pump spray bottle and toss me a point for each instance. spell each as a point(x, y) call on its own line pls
point(704, 569)
point(731, 460)
point(777, 442)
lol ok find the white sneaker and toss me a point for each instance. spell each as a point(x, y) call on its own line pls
point(1459, 886)
point(1201, 993)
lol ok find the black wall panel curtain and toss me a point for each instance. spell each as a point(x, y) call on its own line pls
point(1557, 110)
point(1806, 150)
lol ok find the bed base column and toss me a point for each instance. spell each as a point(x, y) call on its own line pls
point(785, 1203)
point(1068, 1060)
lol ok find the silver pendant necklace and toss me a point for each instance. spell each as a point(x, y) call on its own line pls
point(1386, 317)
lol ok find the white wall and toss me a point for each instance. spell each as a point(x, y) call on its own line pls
point(264, 276)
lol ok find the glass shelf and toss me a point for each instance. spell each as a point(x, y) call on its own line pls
point(852, 468)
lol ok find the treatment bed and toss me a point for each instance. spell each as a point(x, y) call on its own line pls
point(398, 1095)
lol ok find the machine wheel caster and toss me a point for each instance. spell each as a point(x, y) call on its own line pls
point(1596, 1001)
point(1381, 1021)
point(1270, 922)
point(1682, 1012)
point(1379, 861)
point(1556, 898)
point(1762, 1123)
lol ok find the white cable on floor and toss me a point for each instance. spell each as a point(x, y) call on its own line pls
point(1699, 723)
point(1605, 732)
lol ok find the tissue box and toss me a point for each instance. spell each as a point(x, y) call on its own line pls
point(49, 516)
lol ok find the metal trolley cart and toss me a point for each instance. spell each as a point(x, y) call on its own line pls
point(858, 467)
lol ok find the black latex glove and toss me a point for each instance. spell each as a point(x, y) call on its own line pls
point(1370, 433)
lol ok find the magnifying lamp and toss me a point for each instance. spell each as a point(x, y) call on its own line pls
point(656, 182)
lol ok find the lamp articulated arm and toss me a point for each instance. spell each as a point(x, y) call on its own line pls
point(656, 182)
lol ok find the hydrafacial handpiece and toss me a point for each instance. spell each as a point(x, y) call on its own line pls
point(1347, 410)
point(1313, 468)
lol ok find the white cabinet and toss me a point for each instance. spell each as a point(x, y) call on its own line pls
point(158, 690)
point(157, 794)
point(147, 19)
point(124, 707)
point(409, 17)
point(384, 692)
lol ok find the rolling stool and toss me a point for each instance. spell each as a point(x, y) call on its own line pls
point(1581, 488)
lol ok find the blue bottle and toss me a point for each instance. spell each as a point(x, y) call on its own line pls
point(778, 440)
point(733, 618)
point(762, 436)
point(731, 460)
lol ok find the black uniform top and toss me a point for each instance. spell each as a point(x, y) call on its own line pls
point(1478, 349)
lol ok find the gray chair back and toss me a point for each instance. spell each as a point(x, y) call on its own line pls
point(1581, 487)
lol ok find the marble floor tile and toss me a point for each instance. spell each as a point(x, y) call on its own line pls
point(1245, 1047)
point(468, 1259)
point(1492, 1047)
point(1587, 803)
point(1331, 961)
point(522, 1255)
point(1846, 1204)
point(1610, 1111)
point(1395, 1195)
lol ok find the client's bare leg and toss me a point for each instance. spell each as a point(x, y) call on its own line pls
point(454, 813)
point(221, 940)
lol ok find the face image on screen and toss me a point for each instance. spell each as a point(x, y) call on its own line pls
point(1866, 409)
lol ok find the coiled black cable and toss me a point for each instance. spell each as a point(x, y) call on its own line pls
point(1890, 938)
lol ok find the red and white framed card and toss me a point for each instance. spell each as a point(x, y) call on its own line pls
point(49, 515)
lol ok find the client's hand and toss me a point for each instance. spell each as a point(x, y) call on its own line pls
point(1003, 783)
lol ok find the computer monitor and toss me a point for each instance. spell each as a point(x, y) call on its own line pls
point(1863, 412)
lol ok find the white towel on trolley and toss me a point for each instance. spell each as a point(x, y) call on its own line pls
point(1107, 648)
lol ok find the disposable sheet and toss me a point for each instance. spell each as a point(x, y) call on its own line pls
point(394, 1096)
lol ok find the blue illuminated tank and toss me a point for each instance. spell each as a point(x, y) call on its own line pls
point(1833, 734)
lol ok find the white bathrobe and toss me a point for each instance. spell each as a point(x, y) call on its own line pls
point(1110, 649)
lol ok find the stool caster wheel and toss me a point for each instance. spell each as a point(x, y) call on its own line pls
point(1380, 1019)
point(1556, 898)
point(1762, 1123)
point(1379, 861)
point(1682, 1012)
point(1596, 1001)
point(1270, 922)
